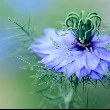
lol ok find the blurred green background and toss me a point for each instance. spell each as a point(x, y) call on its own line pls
point(15, 84)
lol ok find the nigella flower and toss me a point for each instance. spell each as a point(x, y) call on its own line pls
point(79, 51)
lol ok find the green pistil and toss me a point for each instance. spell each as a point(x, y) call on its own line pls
point(84, 26)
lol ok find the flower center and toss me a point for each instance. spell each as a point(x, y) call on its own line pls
point(84, 27)
point(83, 46)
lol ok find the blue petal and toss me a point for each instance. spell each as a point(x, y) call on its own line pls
point(70, 69)
point(67, 37)
point(103, 54)
point(55, 63)
point(52, 57)
point(101, 40)
point(92, 60)
point(84, 72)
point(104, 65)
point(41, 50)
point(69, 57)
point(81, 61)
point(57, 57)
point(99, 70)
point(95, 75)
point(62, 69)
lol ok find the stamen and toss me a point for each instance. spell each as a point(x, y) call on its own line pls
point(54, 43)
point(87, 49)
point(107, 47)
point(91, 49)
